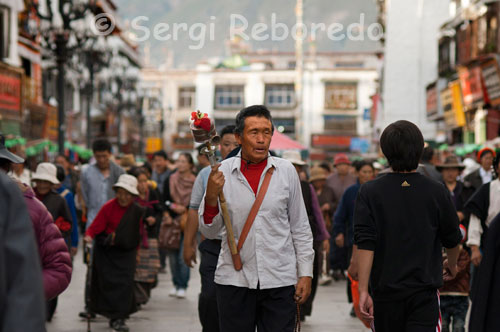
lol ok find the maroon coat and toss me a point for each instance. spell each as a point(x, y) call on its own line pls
point(54, 255)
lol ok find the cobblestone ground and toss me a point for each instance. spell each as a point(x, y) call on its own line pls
point(164, 313)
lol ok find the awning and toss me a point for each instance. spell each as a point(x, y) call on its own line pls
point(282, 142)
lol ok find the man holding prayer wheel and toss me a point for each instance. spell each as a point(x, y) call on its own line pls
point(271, 228)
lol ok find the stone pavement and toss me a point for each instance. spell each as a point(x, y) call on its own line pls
point(164, 313)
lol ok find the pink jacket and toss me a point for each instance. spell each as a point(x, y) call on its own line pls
point(54, 254)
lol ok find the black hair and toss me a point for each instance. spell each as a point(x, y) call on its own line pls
point(60, 175)
point(255, 110)
point(5, 164)
point(402, 144)
point(101, 144)
point(362, 163)
point(63, 156)
point(161, 154)
point(189, 157)
point(136, 171)
point(326, 166)
point(227, 130)
point(427, 154)
point(147, 167)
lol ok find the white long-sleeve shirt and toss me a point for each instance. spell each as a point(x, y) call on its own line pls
point(475, 228)
point(279, 246)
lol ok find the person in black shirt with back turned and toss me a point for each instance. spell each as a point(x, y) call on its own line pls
point(401, 221)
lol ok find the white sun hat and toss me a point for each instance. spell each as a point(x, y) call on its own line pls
point(127, 182)
point(46, 172)
point(294, 157)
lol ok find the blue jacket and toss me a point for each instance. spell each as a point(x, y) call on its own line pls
point(343, 218)
point(70, 200)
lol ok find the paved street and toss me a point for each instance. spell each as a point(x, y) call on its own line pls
point(163, 313)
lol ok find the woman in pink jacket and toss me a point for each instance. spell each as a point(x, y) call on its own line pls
point(54, 254)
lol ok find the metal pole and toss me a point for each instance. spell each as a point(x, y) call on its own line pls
point(61, 60)
point(90, 97)
point(119, 114)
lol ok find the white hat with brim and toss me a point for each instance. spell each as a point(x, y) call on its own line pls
point(46, 172)
point(127, 182)
point(294, 157)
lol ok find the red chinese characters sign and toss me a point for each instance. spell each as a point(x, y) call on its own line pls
point(10, 89)
point(331, 141)
point(470, 83)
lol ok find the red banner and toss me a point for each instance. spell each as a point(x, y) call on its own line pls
point(10, 90)
point(470, 83)
point(331, 141)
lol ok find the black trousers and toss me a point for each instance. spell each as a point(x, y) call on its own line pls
point(417, 313)
point(242, 309)
point(207, 303)
point(306, 308)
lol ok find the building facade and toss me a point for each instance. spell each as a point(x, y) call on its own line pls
point(334, 114)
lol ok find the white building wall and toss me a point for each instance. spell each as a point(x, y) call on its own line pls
point(411, 57)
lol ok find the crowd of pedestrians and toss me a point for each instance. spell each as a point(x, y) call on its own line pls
point(298, 226)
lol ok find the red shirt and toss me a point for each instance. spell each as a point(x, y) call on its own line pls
point(252, 173)
point(108, 218)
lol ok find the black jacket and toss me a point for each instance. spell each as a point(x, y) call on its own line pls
point(474, 180)
point(405, 218)
point(484, 315)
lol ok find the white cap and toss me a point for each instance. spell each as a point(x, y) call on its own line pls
point(46, 172)
point(127, 182)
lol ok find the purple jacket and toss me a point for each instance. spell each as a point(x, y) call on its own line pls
point(54, 255)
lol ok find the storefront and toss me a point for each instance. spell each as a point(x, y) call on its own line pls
point(11, 100)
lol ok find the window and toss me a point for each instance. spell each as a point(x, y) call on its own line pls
point(4, 31)
point(229, 96)
point(341, 96)
point(280, 96)
point(187, 97)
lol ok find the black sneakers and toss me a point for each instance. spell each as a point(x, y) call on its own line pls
point(118, 325)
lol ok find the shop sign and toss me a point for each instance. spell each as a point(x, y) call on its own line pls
point(331, 141)
point(470, 83)
point(491, 78)
point(431, 100)
point(51, 124)
point(153, 144)
point(458, 108)
point(447, 102)
point(10, 89)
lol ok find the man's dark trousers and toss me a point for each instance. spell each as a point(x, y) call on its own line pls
point(242, 309)
point(207, 303)
point(416, 313)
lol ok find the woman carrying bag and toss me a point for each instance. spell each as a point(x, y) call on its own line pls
point(177, 196)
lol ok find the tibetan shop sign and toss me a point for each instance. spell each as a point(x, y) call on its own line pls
point(431, 100)
point(447, 101)
point(458, 107)
point(153, 144)
point(491, 77)
point(331, 141)
point(10, 89)
point(470, 83)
